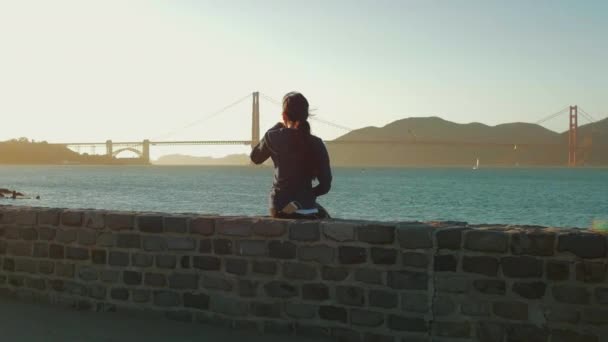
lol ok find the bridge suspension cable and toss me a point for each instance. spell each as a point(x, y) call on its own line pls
point(552, 116)
point(312, 117)
point(205, 118)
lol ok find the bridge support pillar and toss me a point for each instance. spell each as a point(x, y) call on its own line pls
point(255, 120)
point(145, 153)
point(109, 148)
point(572, 136)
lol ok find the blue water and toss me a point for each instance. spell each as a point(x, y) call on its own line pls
point(542, 196)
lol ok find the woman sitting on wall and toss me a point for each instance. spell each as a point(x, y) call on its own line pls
point(299, 158)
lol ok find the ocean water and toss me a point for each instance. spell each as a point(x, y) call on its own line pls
point(557, 197)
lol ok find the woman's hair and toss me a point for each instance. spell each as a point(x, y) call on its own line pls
point(295, 108)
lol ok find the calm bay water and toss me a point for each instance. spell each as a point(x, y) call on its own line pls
point(542, 196)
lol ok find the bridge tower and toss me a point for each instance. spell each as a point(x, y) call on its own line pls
point(145, 151)
point(572, 136)
point(255, 120)
point(109, 148)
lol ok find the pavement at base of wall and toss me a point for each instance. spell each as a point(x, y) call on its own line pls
point(25, 322)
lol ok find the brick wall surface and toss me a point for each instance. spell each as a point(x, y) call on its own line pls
point(351, 280)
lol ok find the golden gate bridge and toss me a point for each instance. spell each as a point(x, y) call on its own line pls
point(142, 148)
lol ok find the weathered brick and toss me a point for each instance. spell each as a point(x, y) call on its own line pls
point(596, 316)
point(402, 323)
point(222, 246)
point(248, 288)
point(584, 245)
point(264, 267)
point(106, 240)
point(142, 260)
point(150, 223)
point(269, 228)
point(119, 293)
point(522, 267)
point(166, 261)
point(166, 298)
point(475, 308)
point(202, 225)
point(449, 238)
point(19, 248)
point(64, 270)
point(490, 286)
point(490, 331)
point(236, 266)
point(333, 313)
point(443, 306)
point(304, 231)
point(315, 292)
point(590, 272)
point(41, 250)
point(297, 310)
point(47, 233)
point(234, 226)
point(369, 276)
point(196, 301)
point(416, 260)
point(120, 221)
point(341, 231)
point(374, 337)
point(207, 263)
point(49, 217)
point(530, 290)
point(176, 224)
point(46, 267)
point(383, 299)
point(155, 279)
point(35, 283)
point(94, 219)
point(109, 276)
point(97, 291)
point(481, 265)
point(141, 295)
point(98, 256)
point(559, 335)
point(366, 318)
point(118, 258)
point(204, 246)
point(66, 235)
point(132, 277)
point(128, 241)
point(511, 310)
point(539, 244)
point(261, 309)
point(350, 295)
point(383, 256)
point(154, 244)
point(319, 253)
point(486, 241)
point(452, 329)
point(570, 294)
point(406, 280)
point(88, 273)
point(228, 306)
point(217, 283)
point(445, 263)
point(351, 255)
point(252, 248)
point(415, 235)
point(295, 270)
point(526, 332)
point(181, 244)
point(71, 218)
point(280, 289)
point(281, 250)
point(334, 273)
point(415, 302)
point(76, 253)
point(558, 270)
point(28, 233)
point(183, 281)
point(26, 265)
point(87, 237)
point(376, 234)
point(601, 295)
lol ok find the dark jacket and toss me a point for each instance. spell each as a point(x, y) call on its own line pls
point(297, 161)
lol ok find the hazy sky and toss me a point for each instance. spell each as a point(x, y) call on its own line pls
point(77, 70)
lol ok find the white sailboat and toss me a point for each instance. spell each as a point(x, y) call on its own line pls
point(476, 165)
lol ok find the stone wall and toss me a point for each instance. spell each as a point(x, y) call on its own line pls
point(353, 281)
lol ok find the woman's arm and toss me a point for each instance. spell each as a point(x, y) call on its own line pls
point(262, 151)
point(324, 177)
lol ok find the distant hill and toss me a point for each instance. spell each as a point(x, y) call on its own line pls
point(180, 159)
point(23, 151)
point(506, 144)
